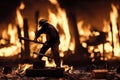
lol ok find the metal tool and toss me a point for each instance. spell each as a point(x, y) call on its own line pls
point(26, 39)
point(42, 55)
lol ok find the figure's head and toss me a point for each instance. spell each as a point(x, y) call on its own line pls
point(42, 21)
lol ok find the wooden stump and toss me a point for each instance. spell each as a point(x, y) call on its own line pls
point(45, 72)
point(39, 64)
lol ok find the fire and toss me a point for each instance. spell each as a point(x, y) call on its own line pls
point(112, 47)
point(82, 31)
point(22, 67)
point(112, 29)
point(19, 16)
point(12, 32)
point(15, 46)
point(49, 64)
point(61, 20)
point(113, 18)
point(10, 51)
point(105, 49)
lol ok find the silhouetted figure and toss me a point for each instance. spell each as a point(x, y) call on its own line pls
point(52, 41)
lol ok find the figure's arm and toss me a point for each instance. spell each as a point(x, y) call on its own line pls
point(38, 33)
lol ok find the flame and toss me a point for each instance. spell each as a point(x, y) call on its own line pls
point(53, 1)
point(49, 64)
point(82, 30)
point(10, 51)
point(107, 46)
point(61, 19)
point(22, 68)
point(19, 16)
point(113, 18)
point(32, 34)
point(12, 32)
point(14, 46)
point(4, 36)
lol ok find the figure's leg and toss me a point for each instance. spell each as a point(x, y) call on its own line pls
point(43, 50)
point(55, 50)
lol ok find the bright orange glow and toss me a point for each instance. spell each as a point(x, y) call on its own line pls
point(49, 64)
point(4, 34)
point(19, 19)
point(12, 32)
point(31, 35)
point(10, 51)
point(15, 46)
point(12, 35)
point(60, 22)
point(113, 18)
point(107, 46)
point(22, 6)
point(22, 67)
point(82, 31)
point(60, 19)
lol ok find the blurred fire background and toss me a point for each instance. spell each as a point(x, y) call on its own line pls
point(75, 20)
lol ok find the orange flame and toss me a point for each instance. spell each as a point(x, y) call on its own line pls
point(11, 34)
point(19, 16)
point(61, 19)
point(113, 18)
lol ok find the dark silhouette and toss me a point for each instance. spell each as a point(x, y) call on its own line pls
point(51, 42)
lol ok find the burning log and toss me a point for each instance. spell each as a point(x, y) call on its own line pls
point(39, 64)
point(26, 43)
point(45, 72)
point(19, 32)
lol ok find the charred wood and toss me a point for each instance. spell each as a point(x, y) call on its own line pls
point(36, 19)
point(79, 49)
point(112, 39)
point(26, 43)
point(45, 72)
